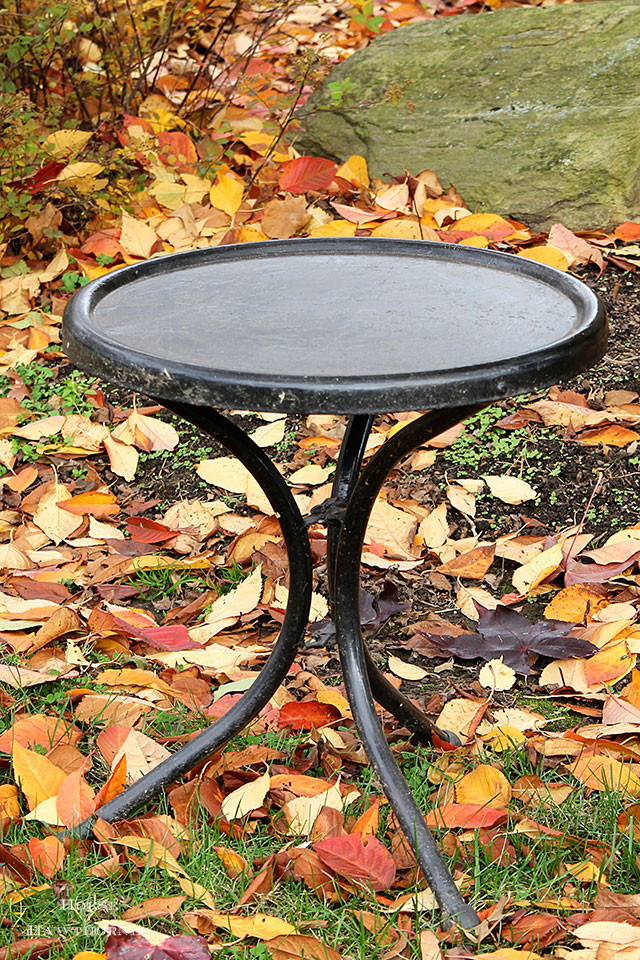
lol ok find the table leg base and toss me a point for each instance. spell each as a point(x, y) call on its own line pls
point(363, 681)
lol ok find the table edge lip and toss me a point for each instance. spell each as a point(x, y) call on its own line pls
point(584, 347)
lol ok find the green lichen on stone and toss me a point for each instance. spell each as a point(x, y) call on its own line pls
point(532, 112)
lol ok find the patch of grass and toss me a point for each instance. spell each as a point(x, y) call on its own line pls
point(48, 394)
point(156, 583)
point(560, 716)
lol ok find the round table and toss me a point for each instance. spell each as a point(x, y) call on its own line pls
point(354, 326)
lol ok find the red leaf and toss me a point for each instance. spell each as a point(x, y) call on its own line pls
point(368, 864)
point(306, 173)
point(133, 946)
point(46, 175)
point(15, 866)
point(303, 715)
point(148, 531)
point(467, 815)
point(172, 637)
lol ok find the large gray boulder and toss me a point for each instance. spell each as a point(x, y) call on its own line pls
point(532, 112)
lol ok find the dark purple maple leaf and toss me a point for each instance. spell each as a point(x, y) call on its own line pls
point(133, 946)
point(505, 633)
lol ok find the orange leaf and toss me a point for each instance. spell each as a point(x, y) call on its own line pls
point(609, 436)
point(605, 773)
point(485, 786)
point(37, 776)
point(307, 714)
point(473, 564)
point(47, 854)
point(609, 664)
point(75, 800)
point(627, 231)
point(369, 821)
point(96, 504)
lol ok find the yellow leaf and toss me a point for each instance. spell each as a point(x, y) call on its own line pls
point(171, 195)
point(136, 237)
point(62, 143)
point(310, 475)
point(196, 891)
point(545, 253)
point(78, 171)
point(58, 524)
point(229, 474)
point(484, 785)
point(123, 458)
point(391, 529)
point(395, 197)
point(151, 434)
point(246, 798)
point(37, 776)
point(337, 228)
point(504, 737)
point(126, 926)
point(481, 221)
point(354, 170)
point(406, 671)
point(586, 872)
point(530, 574)
point(249, 234)
point(260, 925)
point(510, 489)
point(89, 955)
point(226, 610)
point(607, 932)
point(142, 755)
point(269, 434)
point(401, 228)
point(609, 665)
point(226, 194)
point(496, 675)
point(474, 242)
point(9, 805)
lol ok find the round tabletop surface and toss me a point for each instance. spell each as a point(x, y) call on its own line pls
point(335, 325)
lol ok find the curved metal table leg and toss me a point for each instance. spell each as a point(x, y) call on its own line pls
point(286, 646)
point(347, 471)
point(354, 663)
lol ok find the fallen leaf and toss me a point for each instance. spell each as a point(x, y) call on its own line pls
point(246, 798)
point(406, 671)
point(510, 489)
point(37, 776)
point(496, 675)
point(485, 786)
point(368, 864)
point(283, 218)
point(503, 633)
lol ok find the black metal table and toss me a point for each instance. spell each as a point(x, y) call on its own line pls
point(346, 326)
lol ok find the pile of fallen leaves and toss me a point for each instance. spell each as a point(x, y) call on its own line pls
point(79, 537)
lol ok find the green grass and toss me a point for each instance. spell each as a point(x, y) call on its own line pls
point(535, 870)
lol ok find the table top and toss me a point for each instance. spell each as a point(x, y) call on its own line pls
point(335, 325)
